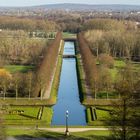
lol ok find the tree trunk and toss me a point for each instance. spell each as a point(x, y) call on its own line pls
point(16, 91)
point(124, 120)
point(4, 90)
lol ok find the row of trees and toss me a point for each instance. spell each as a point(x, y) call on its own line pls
point(115, 43)
point(109, 25)
point(89, 63)
point(100, 77)
point(16, 85)
point(45, 69)
point(27, 24)
point(31, 84)
point(125, 126)
point(19, 48)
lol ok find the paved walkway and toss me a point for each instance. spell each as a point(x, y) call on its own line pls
point(73, 129)
point(61, 130)
point(57, 129)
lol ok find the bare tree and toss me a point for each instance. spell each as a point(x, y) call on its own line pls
point(125, 115)
point(5, 77)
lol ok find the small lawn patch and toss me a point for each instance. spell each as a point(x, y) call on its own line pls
point(28, 116)
point(18, 68)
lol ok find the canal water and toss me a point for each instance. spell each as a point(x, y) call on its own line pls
point(68, 93)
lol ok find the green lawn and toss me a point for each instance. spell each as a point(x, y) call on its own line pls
point(29, 116)
point(68, 35)
point(114, 72)
point(119, 63)
point(87, 135)
point(102, 116)
point(18, 68)
point(81, 80)
point(105, 95)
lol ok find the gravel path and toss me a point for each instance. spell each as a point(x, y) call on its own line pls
point(74, 129)
point(61, 130)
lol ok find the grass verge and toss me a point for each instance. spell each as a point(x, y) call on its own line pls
point(81, 80)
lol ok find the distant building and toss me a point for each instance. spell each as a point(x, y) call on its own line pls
point(0, 30)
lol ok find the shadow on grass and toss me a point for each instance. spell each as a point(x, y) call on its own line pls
point(27, 116)
point(42, 135)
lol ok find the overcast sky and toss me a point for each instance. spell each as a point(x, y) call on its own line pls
point(41, 2)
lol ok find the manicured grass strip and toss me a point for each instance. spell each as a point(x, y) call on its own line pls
point(47, 115)
point(26, 102)
point(29, 116)
point(68, 35)
point(81, 80)
point(18, 68)
point(81, 76)
point(28, 112)
point(102, 116)
point(89, 118)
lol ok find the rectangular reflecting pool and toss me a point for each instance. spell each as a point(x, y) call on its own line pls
point(68, 93)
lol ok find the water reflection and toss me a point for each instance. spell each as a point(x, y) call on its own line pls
point(68, 94)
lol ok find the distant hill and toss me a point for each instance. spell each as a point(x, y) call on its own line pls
point(86, 7)
point(81, 7)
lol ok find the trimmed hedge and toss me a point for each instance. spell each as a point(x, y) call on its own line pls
point(45, 69)
point(89, 118)
point(91, 115)
point(89, 64)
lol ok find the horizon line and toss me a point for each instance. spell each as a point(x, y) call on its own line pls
point(65, 3)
